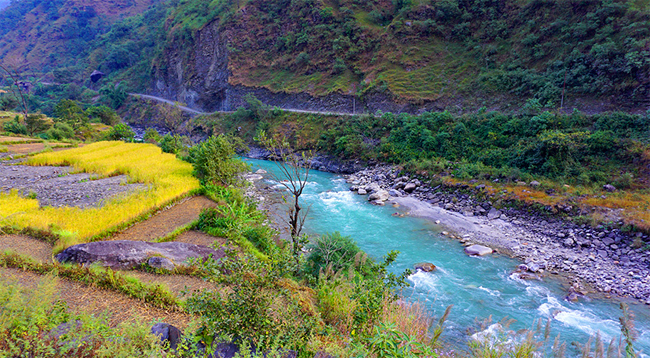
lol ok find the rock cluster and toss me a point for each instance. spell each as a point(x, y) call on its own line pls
point(609, 260)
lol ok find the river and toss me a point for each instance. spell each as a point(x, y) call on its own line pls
point(478, 287)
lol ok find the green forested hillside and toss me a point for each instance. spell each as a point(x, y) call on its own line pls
point(414, 51)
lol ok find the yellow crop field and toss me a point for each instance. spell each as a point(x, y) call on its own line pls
point(167, 178)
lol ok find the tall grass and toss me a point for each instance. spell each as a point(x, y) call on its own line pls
point(33, 323)
point(166, 179)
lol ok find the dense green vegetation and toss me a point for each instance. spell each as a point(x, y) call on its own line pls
point(575, 148)
point(465, 53)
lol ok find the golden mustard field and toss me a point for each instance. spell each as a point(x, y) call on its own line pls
point(166, 178)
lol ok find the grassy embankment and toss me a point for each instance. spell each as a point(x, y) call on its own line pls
point(166, 179)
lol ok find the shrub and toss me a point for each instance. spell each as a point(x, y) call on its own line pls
point(70, 112)
point(36, 123)
point(151, 135)
point(260, 306)
point(35, 324)
point(104, 114)
point(174, 144)
point(60, 131)
point(334, 250)
point(14, 126)
point(339, 65)
point(215, 160)
point(121, 131)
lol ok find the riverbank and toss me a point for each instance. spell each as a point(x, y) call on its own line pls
point(600, 258)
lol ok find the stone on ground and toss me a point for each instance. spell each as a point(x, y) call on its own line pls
point(478, 250)
point(123, 254)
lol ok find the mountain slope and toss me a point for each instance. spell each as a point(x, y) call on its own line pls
point(328, 54)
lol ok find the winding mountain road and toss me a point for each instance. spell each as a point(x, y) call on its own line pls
point(194, 111)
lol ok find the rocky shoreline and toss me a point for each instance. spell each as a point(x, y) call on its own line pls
point(598, 261)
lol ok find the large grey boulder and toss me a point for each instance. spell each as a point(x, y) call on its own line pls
point(169, 335)
point(161, 263)
point(96, 75)
point(379, 195)
point(122, 254)
point(493, 214)
point(478, 250)
point(410, 187)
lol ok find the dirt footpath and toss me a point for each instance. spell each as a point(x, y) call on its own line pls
point(97, 301)
point(166, 221)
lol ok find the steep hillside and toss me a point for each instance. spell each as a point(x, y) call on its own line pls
point(444, 53)
point(55, 35)
point(348, 55)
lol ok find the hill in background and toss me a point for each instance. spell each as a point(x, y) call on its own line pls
point(445, 54)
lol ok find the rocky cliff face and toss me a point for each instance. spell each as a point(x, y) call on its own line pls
point(195, 72)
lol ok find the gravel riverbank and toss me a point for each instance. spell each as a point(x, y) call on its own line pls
point(601, 259)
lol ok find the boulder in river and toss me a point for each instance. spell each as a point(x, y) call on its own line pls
point(425, 266)
point(122, 254)
point(478, 250)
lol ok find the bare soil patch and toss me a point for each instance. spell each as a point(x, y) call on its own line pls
point(200, 238)
point(25, 148)
point(27, 246)
point(166, 221)
point(96, 301)
point(58, 186)
point(7, 140)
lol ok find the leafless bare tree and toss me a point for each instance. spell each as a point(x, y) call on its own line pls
point(11, 71)
point(294, 174)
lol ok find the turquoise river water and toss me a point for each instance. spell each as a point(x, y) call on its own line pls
point(477, 287)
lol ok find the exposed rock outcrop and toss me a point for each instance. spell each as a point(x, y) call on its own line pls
point(122, 254)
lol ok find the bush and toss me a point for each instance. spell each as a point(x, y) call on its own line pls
point(260, 307)
point(215, 160)
point(29, 320)
point(36, 123)
point(151, 135)
point(70, 112)
point(331, 249)
point(104, 114)
point(14, 126)
point(174, 144)
point(7, 103)
point(121, 131)
point(60, 131)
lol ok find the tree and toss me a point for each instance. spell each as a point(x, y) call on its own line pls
point(69, 112)
point(105, 115)
point(215, 160)
point(115, 95)
point(16, 87)
point(121, 131)
point(171, 116)
point(36, 123)
point(294, 173)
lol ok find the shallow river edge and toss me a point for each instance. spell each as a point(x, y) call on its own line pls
point(598, 261)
